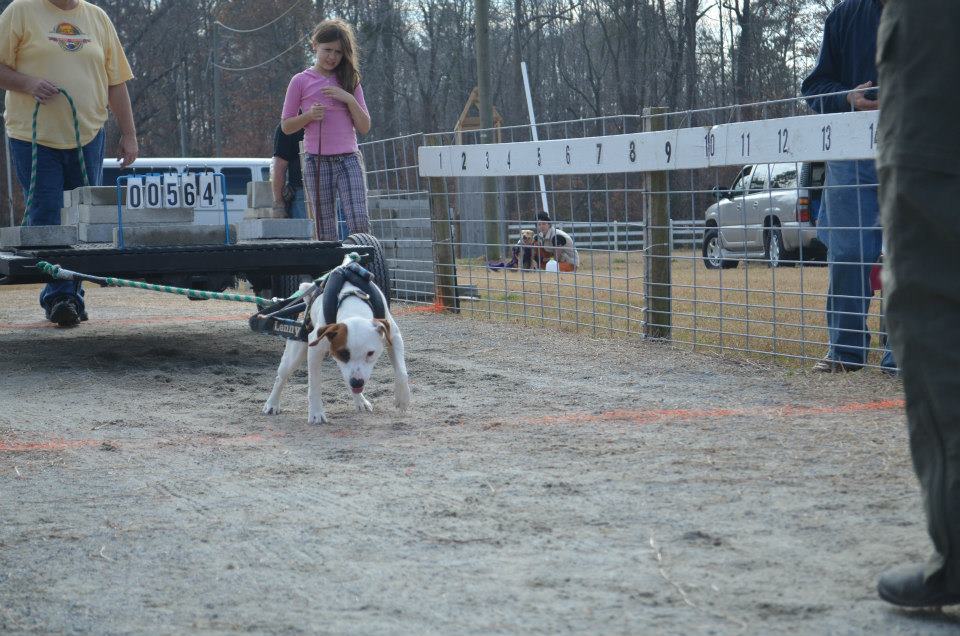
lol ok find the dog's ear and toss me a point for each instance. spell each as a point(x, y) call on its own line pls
point(329, 332)
point(383, 328)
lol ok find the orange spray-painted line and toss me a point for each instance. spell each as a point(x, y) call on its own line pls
point(50, 445)
point(44, 324)
point(650, 416)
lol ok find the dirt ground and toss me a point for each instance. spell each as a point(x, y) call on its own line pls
point(542, 482)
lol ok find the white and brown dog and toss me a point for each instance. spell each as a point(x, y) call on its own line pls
point(355, 341)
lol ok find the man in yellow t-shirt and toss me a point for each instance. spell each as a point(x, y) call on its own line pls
point(46, 46)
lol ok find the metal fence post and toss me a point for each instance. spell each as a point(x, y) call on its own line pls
point(445, 266)
point(656, 290)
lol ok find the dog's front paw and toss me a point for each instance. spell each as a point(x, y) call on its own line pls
point(401, 397)
point(362, 403)
point(271, 409)
point(317, 418)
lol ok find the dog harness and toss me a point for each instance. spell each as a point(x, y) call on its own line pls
point(360, 278)
point(280, 319)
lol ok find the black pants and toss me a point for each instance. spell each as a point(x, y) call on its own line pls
point(919, 64)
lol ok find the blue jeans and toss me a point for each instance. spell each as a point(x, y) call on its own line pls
point(57, 171)
point(849, 225)
point(298, 207)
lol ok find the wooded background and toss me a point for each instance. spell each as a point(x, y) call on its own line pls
point(586, 58)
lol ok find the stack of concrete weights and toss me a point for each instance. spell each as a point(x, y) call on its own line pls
point(261, 221)
point(89, 215)
point(93, 211)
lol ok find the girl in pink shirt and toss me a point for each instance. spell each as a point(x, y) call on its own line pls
point(326, 100)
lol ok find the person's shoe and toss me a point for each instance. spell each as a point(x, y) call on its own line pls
point(890, 372)
point(64, 313)
point(829, 365)
point(905, 586)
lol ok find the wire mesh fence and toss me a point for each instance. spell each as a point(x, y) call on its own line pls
point(708, 228)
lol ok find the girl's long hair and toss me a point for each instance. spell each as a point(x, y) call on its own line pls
point(336, 30)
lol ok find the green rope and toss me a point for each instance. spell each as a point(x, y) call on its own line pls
point(55, 271)
point(33, 153)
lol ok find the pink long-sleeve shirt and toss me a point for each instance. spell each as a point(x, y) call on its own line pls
point(335, 134)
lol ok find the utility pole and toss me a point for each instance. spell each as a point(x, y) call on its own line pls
point(217, 131)
point(491, 226)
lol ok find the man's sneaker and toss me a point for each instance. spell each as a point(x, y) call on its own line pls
point(64, 313)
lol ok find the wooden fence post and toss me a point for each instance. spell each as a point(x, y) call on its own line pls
point(657, 246)
point(444, 264)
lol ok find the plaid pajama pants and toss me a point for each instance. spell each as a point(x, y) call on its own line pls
point(326, 176)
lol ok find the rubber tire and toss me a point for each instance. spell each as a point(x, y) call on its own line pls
point(771, 235)
point(711, 234)
point(286, 285)
point(378, 262)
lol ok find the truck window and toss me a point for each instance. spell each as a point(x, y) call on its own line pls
point(783, 176)
point(110, 174)
point(237, 180)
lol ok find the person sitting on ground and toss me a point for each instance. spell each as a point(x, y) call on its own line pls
point(525, 252)
point(557, 244)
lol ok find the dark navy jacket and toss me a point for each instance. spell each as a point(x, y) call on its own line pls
point(847, 56)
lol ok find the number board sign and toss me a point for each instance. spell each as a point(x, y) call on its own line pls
point(842, 136)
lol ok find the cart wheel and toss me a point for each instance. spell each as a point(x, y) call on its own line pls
point(378, 262)
point(279, 286)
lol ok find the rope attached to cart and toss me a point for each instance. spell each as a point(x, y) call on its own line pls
point(33, 153)
point(55, 271)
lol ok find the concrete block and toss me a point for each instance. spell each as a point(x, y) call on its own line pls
point(259, 194)
point(69, 215)
point(264, 213)
point(99, 195)
point(38, 236)
point(96, 232)
point(108, 214)
point(68, 196)
point(166, 235)
point(276, 229)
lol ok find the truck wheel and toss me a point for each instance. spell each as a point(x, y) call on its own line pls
point(712, 254)
point(378, 262)
point(773, 247)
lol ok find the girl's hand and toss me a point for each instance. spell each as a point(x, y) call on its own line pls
point(315, 112)
point(337, 93)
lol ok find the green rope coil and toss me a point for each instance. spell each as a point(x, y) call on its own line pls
point(33, 153)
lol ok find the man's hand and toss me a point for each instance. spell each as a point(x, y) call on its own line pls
point(41, 89)
point(859, 101)
point(128, 150)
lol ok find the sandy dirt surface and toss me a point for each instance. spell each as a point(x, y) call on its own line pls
point(542, 482)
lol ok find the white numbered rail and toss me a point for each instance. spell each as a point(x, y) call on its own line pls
point(832, 137)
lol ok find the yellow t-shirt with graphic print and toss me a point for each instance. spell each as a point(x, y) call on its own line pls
point(77, 50)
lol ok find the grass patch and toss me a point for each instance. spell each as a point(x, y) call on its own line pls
point(752, 310)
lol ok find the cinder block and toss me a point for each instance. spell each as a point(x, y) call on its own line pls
point(68, 197)
point(108, 214)
point(259, 194)
point(69, 215)
point(264, 213)
point(96, 232)
point(166, 235)
point(276, 229)
point(98, 195)
point(38, 236)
